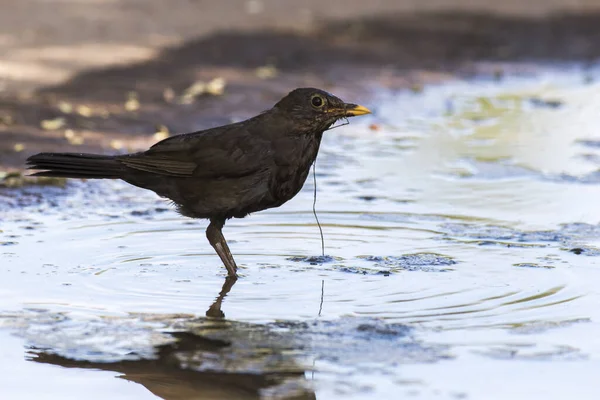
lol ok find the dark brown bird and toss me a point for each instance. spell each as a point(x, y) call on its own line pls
point(224, 172)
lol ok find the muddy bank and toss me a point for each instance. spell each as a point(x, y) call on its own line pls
point(108, 108)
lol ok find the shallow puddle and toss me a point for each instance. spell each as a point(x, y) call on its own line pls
point(462, 239)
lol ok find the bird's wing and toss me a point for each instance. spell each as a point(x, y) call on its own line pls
point(225, 152)
point(160, 165)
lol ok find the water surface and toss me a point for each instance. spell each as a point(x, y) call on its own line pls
point(462, 238)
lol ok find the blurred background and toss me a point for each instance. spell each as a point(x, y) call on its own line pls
point(110, 74)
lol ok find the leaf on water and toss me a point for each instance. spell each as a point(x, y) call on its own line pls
point(73, 138)
point(266, 71)
point(216, 87)
point(16, 179)
point(77, 141)
point(162, 132)
point(18, 147)
point(84, 111)
point(11, 179)
point(191, 92)
point(53, 124)
point(132, 103)
point(65, 107)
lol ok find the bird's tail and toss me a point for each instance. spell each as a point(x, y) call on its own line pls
point(76, 165)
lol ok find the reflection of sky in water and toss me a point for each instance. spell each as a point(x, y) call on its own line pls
point(458, 217)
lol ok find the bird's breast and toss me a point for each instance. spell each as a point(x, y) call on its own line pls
point(292, 167)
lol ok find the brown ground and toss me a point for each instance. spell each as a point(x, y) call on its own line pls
point(94, 53)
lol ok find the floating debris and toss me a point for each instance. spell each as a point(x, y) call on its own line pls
point(162, 132)
point(16, 179)
point(65, 108)
point(73, 138)
point(545, 103)
point(215, 87)
point(266, 72)
point(19, 147)
point(191, 92)
point(426, 262)
point(533, 265)
point(11, 179)
point(314, 260)
point(77, 140)
point(494, 233)
point(132, 103)
point(69, 134)
point(84, 111)
point(533, 327)
point(585, 250)
point(53, 124)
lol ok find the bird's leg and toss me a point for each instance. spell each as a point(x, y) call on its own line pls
point(217, 241)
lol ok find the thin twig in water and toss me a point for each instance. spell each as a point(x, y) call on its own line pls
point(314, 208)
point(322, 296)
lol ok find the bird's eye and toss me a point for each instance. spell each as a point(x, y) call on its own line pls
point(317, 101)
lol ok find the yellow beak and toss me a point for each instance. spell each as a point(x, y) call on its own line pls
point(354, 110)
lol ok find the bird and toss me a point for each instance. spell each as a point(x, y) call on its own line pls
point(223, 172)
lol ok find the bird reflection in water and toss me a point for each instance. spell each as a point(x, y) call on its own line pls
point(214, 311)
point(212, 358)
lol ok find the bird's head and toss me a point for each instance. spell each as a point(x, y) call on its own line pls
point(317, 110)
